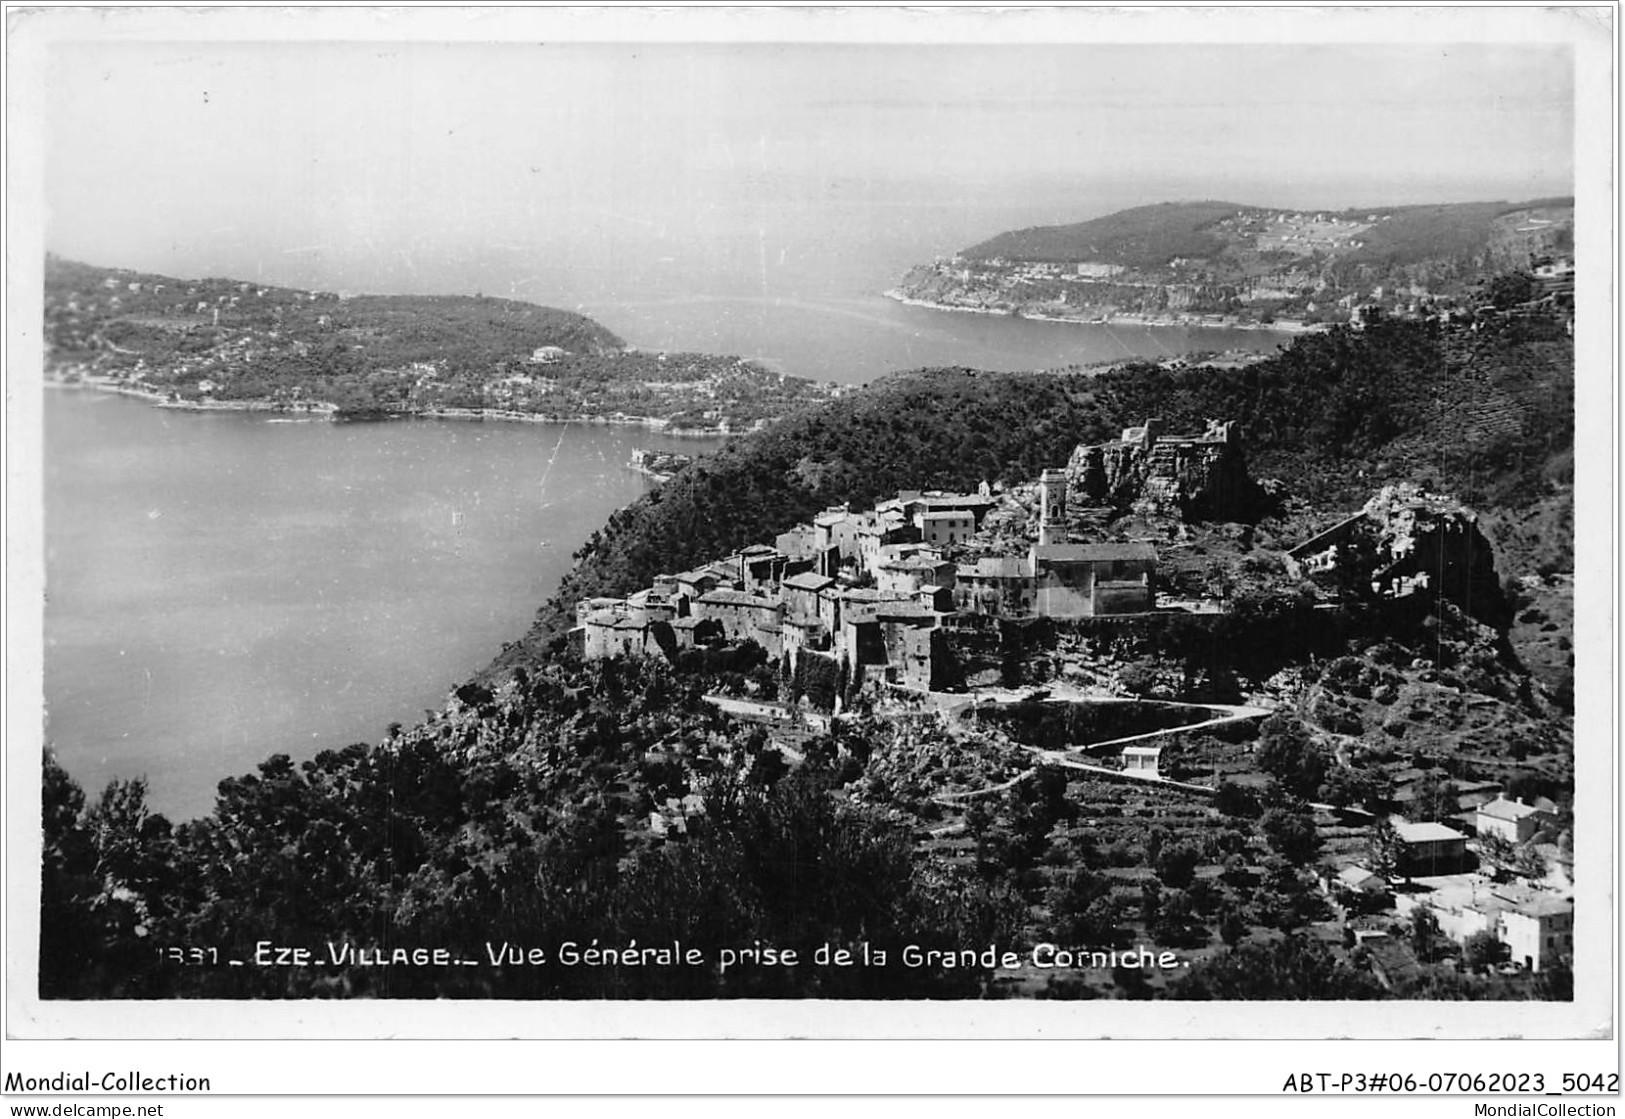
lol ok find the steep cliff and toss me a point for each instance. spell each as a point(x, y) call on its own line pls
point(1200, 477)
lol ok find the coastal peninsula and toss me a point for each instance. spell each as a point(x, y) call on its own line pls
point(219, 344)
point(1233, 267)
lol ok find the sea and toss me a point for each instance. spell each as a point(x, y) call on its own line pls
point(225, 586)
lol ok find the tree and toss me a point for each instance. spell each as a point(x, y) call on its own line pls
point(1347, 785)
point(1555, 982)
point(1483, 950)
point(767, 766)
point(1176, 922)
point(1424, 932)
point(1510, 289)
point(1150, 901)
point(1176, 865)
point(1433, 798)
point(1497, 852)
point(1082, 909)
point(1529, 863)
point(1154, 839)
point(1294, 967)
point(1287, 753)
point(69, 947)
point(1382, 849)
point(1291, 833)
point(1232, 799)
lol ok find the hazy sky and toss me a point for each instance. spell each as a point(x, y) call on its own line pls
point(383, 167)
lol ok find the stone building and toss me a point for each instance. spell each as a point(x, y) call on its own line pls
point(946, 526)
point(1000, 586)
point(688, 586)
point(906, 575)
point(743, 616)
point(1052, 519)
point(915, 506)
point(888, 639)
point(811, 598)
point(759, 566)
point(1087, 580)
point(798, 543)
point(611, 633)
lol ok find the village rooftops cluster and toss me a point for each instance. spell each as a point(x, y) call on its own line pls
point(869, 591)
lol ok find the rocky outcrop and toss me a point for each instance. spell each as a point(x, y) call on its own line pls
point(1199, 477)
point(1430, 541)
point(1408, 541)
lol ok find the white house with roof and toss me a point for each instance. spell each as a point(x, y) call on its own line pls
point(1538, 929)
point(1142, 760)
point(1511, 820)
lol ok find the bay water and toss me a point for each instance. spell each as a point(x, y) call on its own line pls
point(224, 586)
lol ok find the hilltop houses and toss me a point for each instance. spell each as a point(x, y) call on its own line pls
point(873, 590)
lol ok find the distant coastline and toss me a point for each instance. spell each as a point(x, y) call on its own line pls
point(332, 412)
point(1180, 322)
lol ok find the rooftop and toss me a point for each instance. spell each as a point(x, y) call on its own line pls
point(870, 594)
point(914, 563)
point(1502, 809)
point(997, 567)
point(1093, 553)
point(1426, 832)
point(1545, 906)
point(1356, 876)
point(1534, 903)
point(738, 598)
point(954, 500)
point(901, 611)
point(808, 581)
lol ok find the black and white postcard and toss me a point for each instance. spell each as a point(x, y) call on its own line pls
point(810, 522)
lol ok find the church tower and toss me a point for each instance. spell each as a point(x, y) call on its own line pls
point(1052, 507)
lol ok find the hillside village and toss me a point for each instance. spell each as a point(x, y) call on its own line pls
point(907, 608)
point(1247, 267)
